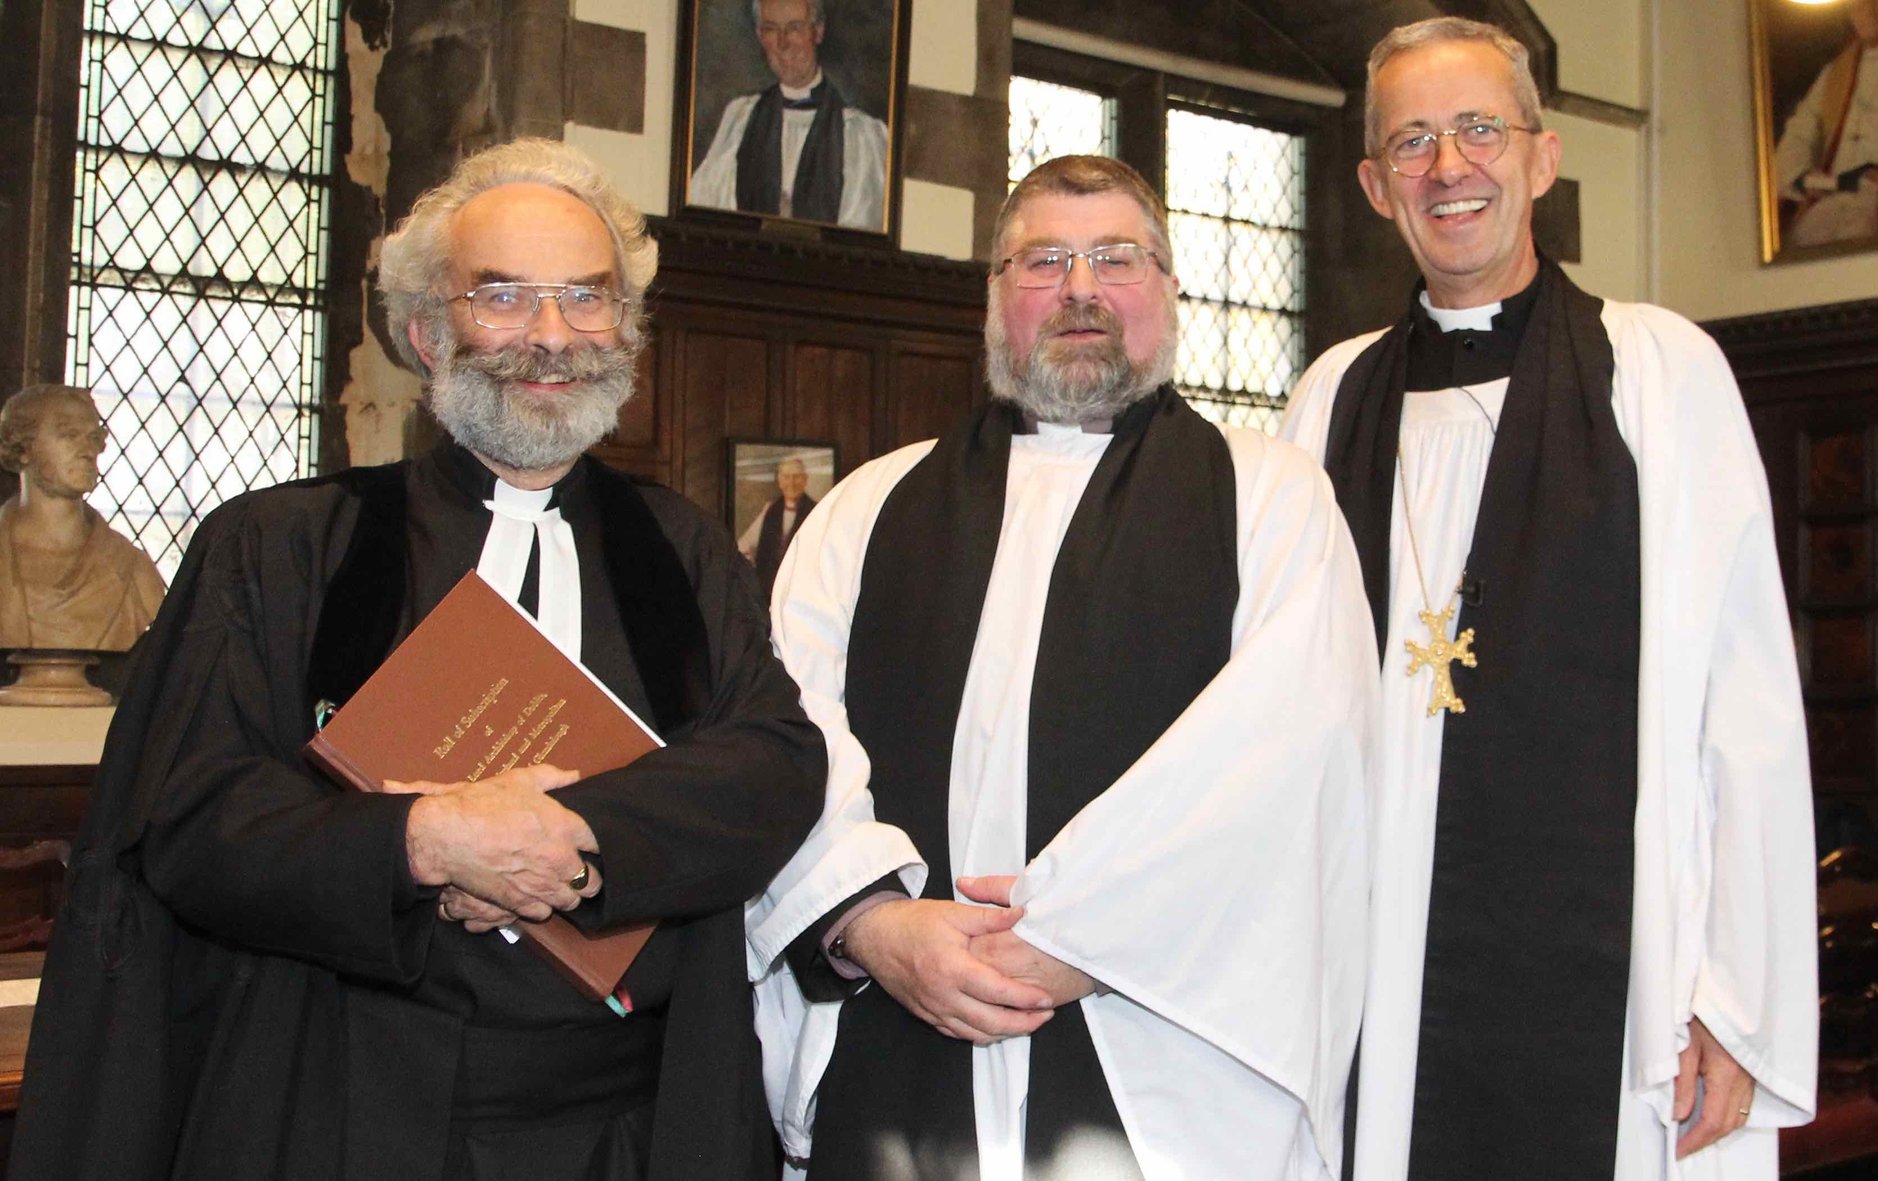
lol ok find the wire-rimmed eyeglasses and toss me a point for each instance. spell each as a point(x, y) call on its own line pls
point(1480, 139)
point(515, 305)
point(1117, 265)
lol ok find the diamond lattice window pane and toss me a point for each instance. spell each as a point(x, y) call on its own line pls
point(1048, 120)
point(292, 32)
point(1235, 195)
point(203, 196)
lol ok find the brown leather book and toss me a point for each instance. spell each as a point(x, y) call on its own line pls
point(477, 689)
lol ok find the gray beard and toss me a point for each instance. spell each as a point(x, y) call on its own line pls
point(475, 396)
point(1093, 384)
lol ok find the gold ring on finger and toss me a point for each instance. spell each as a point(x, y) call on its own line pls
point(579, 881)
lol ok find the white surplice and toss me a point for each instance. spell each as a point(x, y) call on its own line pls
point(1723, 925)
point(1216, 888)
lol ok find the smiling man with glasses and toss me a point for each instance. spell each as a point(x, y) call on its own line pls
point(263, 974)
point(1056, 818)
point(1591, 938)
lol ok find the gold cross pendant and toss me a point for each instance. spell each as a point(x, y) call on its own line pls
point(1439, 653)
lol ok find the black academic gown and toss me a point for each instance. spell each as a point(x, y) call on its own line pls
point(246, 982)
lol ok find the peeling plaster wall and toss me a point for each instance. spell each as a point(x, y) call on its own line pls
point(379, 399)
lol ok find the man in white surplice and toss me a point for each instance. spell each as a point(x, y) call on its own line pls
point(1196, 906)
point(1709, 1039)
point(797, 149)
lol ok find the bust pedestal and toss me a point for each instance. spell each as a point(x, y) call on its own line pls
point(52, 678)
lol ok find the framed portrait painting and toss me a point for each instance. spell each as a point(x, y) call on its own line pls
point(773, 485)
point(1816, 123)
point(790, 109)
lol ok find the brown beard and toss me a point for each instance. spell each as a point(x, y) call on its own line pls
point(477, 397)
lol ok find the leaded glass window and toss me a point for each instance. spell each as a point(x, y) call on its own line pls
point(198, 250)
point(1049, 120)
point(1235, 199)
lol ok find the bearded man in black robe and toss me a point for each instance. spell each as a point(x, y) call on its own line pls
point(260, 974)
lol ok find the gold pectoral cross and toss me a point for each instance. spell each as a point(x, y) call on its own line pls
point(1439, 653)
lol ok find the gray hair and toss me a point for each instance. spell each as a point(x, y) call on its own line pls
point(1436, 31)
point(415, 259)
point(20, 418)
point(818, 14)
point(1083, 176)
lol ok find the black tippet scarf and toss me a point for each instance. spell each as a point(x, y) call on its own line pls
point(817, 192)
point(1528, 954)
point(1137, 622)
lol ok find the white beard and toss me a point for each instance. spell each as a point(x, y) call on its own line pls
point(478, 399)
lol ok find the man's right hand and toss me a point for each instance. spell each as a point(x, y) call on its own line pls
point(918, 950)
point(503, 840)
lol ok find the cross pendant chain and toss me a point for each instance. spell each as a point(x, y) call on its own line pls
point(1440, 653)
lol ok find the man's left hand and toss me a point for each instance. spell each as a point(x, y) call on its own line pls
point(1011, 955)
point(478, 917)
point(1727, 1091)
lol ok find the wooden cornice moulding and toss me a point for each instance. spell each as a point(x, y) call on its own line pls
point(690, 250)
point(1818, 339)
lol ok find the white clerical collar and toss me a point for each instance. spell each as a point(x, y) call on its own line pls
point(528, 500)
point(522, 520)
point(798, 93)
point(1451, 319)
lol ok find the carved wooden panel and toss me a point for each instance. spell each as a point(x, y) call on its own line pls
point(932, 390)
point(1810, 378)
point(640, 427)
point(831, 396)
point(721, 389)
point(1837, 463)
point(1837, 563)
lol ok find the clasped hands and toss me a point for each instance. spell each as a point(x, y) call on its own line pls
point(960, 968)
point(502, 848)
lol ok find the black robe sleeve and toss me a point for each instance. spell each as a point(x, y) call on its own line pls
point(244, 841)
point(703, 824)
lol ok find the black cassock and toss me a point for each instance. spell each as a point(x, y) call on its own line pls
point(244, 980)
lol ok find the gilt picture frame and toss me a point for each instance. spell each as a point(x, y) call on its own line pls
point(1816, 148)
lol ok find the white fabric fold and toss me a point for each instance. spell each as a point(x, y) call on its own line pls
point(519, 518)
point(1206, 887)
point(1722, 912)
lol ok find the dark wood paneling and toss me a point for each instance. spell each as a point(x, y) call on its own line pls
point(640, 428)
point(932, 390)
point(831, 396)
point(762, 335)
point(723, 391)
point(1810, 379)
